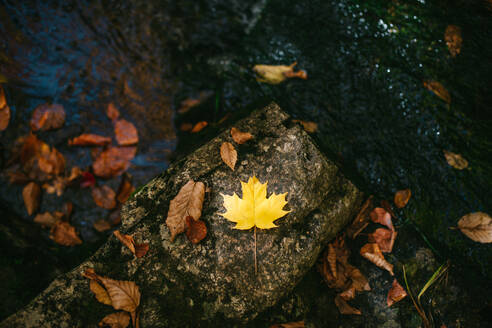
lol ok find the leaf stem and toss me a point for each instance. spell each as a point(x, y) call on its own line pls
point(256, 264)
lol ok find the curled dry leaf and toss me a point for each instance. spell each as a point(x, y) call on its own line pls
point(439, 90)
point(196, 230)
point(125, 189)
point(31, 194)
point(275, 74)
point(453, 39)
point(332, 259)
point(309, 127)
point(88, 139)
point(372, 252)
point(46, 219)
point(240, 137)
point(101, 225)
point(188, 202)
point(47, 117)
point(455, 160)
point(361, 220)
point(199, 126)
point(101, 294)
point(4, 111)
point(113, 161)
point(125, 132)
point(477, 226)
point(64, 234)
point(381, 216)
point(384, 238)
point(402, 197)
point(112, 112)
point(228, 154)
point(115, 320)
point(104, 197)
point(296, 324)
point(396, 293)
point(344, 307)
point(138, 250)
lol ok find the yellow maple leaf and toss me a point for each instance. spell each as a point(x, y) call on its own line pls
point(254, 209)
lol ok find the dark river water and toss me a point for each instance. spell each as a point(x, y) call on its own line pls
point(366, 63)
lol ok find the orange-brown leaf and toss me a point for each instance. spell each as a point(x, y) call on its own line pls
point(188, 202)
point(46, 219)
point(64, 234)
point(101, 225)
point(57, 186)
point(100, 293)
point(47, 117)
point(88, 139)
point(104, 197)
point(125, 132)
point(361, 220)
point(477, 226)
point(344, 307)
point(381, 216)
point(112, 112)
point(50, 160)
point(453, 39)
point(372, 252)
point(384, 238)
point(396, 293)
point(455, 160)
point(186, 127)
point(228, 154)
point(113, 161)
point(359, 281)
point(439, 90)
point(115, 320)
point(126, 240)
point(402, 197)
point(31, 194)
point(332, 260)
point(199, 126)
point(196, 230)
point(296, 324)
point(309, 127)
point(348, 294)
point(187, 104)
point(4, 111)
point(141, 249)
point(17, 177)
point(125, 295)
point(125, 189)
point(240, 137)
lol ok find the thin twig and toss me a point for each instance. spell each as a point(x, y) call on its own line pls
point(256, 264)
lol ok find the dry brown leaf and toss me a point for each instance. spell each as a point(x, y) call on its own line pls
point(188, 202)
point(359, 281)
point(309, 127)
point(199, 126)
point(361, 220)
point(125, 132)
point(372, 252)
point(186, 127)
point(138, 250)
point(381, 216)
point(477, 226)
point(195, 230)
point(46, 219)
point(344, 307)
point(101, 294)
point(240, 137)
point(396, 293)
point(228, 154)
point(88, 139)
point(125, 295)
point(332, 259)
point(275, 74)
point(51, 161)
point(439, 90)
point(57, 186)
point(113, 161)
point(296, 324)
point(104, 197)
point(115, 320)
point(384, 238)
point(112, 112)
point(455, 160)
point(47, 117)
point(387, 206)
point(4, 111)
point(348, 294)
point(141, 249)
point(64, 234)
point(402, 197)
point(101, 225)
point(453, 39)
point(114, 217)
point(125, 189)
point(31, 194)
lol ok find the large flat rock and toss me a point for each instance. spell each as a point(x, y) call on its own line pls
point(214, 282)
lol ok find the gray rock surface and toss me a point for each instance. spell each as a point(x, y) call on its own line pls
point(203, 285)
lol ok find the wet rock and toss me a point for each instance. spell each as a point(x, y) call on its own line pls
point(214, 282)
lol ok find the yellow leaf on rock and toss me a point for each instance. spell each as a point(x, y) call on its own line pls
point(254, 209)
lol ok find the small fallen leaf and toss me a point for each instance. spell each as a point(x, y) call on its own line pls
point(309, 127)
point(125, 189)
point(112, 112)
point(101, 294)
point(195, 230)
point(477, 226)
point(402, 197)
point(344, 307)
point(138, 250)
point(384, 238)
point(115, 320)
point(453, 39)
point(46, 219)
point(386, 205)
point(125, 132)
point(104, 197)
point(332, 259)
point(297, 324)
point(188, 202)
point(361, 220)
point(114, 217)
point(381, 216)
point(199, 127)
point(67, 209)
point(57, 186)
point(75, 173)
point(275, 74)
point(88, 180)
point(228, 154)
point(113, 161)
point(396, 293)
point(4, 111)
point(455, 160)
point(141, 249)
point(31, 194)
point(348, 294)
point(359, 281)
point(88, 139)
point(372, 252)
point(240, 137)
point(47, 117)
point(439, 90)
point(64, 234)
point(187, 104)
point(186, 127)
point(125, 295)
point(101, 225)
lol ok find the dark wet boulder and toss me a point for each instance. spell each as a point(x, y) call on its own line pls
point(214, 281)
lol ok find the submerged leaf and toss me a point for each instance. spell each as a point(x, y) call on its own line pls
point(455, 160)
point(125, 132)
point(101, 225)
point(240, 137)
point(88, 139)
point(439, 90)
point(199, 126)
point(453, 39)
point(4, 111)
point(31, 194)
point(47, 117)
point(64, 234)
point(113, 161)
point(112, 112)
point(125, 189)
point(402, 197)
point(104, 197)
point(228, 154)
point(396, 293)
point(46, 219)
point(296, 324)
point(477, 226)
